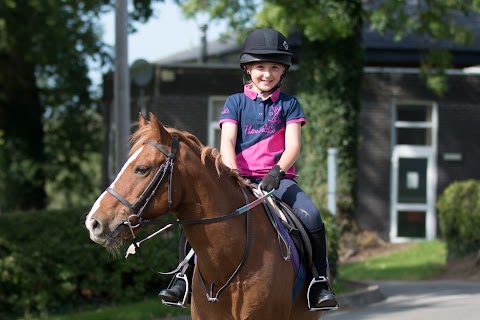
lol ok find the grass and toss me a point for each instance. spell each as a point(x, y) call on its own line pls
point(146, 310)
point(422, 261)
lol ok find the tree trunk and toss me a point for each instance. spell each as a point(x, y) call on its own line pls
point(22, 151)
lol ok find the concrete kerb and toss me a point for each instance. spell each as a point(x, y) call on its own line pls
point(365, 294)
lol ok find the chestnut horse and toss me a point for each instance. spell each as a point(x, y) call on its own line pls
point(171, 171)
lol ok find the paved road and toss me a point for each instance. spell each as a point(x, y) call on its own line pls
point(420, 300)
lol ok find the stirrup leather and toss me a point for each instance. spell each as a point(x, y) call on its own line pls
point(314, 281)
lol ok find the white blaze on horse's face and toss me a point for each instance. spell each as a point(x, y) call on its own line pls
point(130, 160)
point(98, 231)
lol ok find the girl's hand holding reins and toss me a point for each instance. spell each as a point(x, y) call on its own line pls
point(272, 179)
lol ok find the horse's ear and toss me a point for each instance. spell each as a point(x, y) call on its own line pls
point(141, 120)
point(157, 127)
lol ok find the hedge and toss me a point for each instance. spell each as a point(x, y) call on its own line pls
point(49, 265)
point(459, 214)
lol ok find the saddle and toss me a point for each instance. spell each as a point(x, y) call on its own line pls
point(280, 213)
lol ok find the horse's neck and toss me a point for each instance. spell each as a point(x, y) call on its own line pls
point(213, 242)
point(208, 197)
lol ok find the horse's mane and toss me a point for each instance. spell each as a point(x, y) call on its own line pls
point(144, 133)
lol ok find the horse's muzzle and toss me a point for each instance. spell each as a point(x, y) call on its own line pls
point(103, 234)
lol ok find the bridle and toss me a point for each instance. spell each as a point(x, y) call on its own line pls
point(141, 203)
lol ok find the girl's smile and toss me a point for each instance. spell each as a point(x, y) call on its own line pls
point(265, 76)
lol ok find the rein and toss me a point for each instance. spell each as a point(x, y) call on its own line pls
point(234, 213)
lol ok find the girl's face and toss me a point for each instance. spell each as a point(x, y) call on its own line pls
point(265, 75)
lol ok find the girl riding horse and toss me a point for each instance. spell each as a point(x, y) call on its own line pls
point(170, 171)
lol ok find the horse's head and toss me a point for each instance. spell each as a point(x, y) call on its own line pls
point(140, 190)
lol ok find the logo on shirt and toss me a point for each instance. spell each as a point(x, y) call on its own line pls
point(267, 128)
point(225, 111)
point(275, 114)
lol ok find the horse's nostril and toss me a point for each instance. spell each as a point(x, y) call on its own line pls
point(95, 226)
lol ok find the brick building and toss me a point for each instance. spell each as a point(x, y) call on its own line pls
point(413, 143)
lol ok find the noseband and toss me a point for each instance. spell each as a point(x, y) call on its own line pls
point(166, 168)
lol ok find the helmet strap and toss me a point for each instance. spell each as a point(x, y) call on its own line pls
point(246, 77)
point(279, 84)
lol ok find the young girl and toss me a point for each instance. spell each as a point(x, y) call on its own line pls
point(261, 138)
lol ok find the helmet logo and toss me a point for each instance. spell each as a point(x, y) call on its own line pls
point(285, 45)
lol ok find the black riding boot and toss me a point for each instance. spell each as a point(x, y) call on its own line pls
point(176, 292)
point(321, 296)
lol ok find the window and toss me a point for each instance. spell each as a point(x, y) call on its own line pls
point(215, 106)
point(413, 125)
point(412, 180)
point(412, 224)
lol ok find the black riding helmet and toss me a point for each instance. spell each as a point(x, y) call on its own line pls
point(267, 45)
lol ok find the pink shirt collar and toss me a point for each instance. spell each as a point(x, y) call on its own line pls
point(253, 95)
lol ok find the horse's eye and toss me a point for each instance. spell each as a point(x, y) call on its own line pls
point(142, 170)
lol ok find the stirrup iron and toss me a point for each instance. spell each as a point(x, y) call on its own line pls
point(179, 277)
point(315, 280)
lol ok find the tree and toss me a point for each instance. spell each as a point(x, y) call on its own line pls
point(48, 109)
point(438, 22)
point(331, 62)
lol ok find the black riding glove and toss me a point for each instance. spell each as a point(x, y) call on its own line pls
point(272, 179)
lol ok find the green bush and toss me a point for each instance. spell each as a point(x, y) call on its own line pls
point(49, 265)
point(459, 212)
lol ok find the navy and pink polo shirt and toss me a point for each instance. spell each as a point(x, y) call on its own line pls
point(261, 129)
